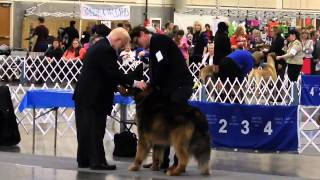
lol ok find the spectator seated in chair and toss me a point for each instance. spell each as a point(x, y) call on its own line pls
point(75, 51)
point(55, 51)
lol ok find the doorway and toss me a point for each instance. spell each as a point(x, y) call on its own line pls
point(5, 10)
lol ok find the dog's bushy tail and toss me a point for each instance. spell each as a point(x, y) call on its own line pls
point(200, 143)
point(199, 120)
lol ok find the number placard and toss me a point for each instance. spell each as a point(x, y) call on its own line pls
point(245, 127)
point(268, 128)
point(223, 123)
point(310, 91)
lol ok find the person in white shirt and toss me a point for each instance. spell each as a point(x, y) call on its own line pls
point(127, 56)
point(207, 58)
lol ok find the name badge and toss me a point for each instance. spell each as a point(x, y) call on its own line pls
point(159, 56)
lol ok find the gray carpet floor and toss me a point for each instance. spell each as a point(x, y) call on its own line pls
point(16, 166)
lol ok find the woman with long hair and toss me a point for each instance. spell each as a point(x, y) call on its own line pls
point(277, 45)
point(182, 44)
point(75, 51)
point(199, 42)
point(238, 40)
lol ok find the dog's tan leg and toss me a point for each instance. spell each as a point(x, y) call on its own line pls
point(180, 140)
point(142, 152)
point(157, 157)
point(181, 149)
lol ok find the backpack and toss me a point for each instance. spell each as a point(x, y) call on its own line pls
point(125, 144)
point(9, 133)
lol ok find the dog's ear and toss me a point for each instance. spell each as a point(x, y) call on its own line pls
point(273, 55)
point(257, 56)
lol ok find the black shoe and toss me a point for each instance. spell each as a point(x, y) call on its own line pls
point(83, 165)
point(103, 167)
point(164, 166)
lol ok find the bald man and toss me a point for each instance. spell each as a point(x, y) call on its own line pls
point(94, 95)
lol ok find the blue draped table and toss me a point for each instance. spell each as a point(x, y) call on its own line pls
point(55, 99)
point(58, 99)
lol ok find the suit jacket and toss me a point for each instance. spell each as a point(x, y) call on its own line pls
point(168, 68)
point(222, 47)
point(99, 78)
point(277, 45)
point(316, 52)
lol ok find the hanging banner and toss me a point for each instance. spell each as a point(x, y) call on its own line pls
point(105, 12)
point(255, 127)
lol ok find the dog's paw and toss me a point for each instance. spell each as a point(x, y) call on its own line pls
point(206, 173)
point(173, 173)
point(133, 167)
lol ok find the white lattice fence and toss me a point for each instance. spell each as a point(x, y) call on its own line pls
point(309, 130)
point(64, 74)
point(264, 92)
point(11, 67)
point(39, 69)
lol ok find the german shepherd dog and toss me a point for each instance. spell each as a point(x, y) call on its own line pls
point(161, 124)
point(266, 72)
point(206, 73)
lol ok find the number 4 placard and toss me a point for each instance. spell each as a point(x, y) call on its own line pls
point(310, 90)
point(268, 128)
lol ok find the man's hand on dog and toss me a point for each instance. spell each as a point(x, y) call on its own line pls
point(140, 84)
point(122, 90)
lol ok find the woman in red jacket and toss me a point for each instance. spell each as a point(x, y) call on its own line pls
point(75, 51)
point(238, 40)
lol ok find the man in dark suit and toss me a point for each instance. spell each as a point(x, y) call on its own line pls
point(222, 46)
point(169, 73)
point(70, 33)
point(94, 95)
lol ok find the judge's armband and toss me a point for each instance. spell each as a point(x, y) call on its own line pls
point(293, 52)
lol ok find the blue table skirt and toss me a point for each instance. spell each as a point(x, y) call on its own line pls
point(50, 98)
